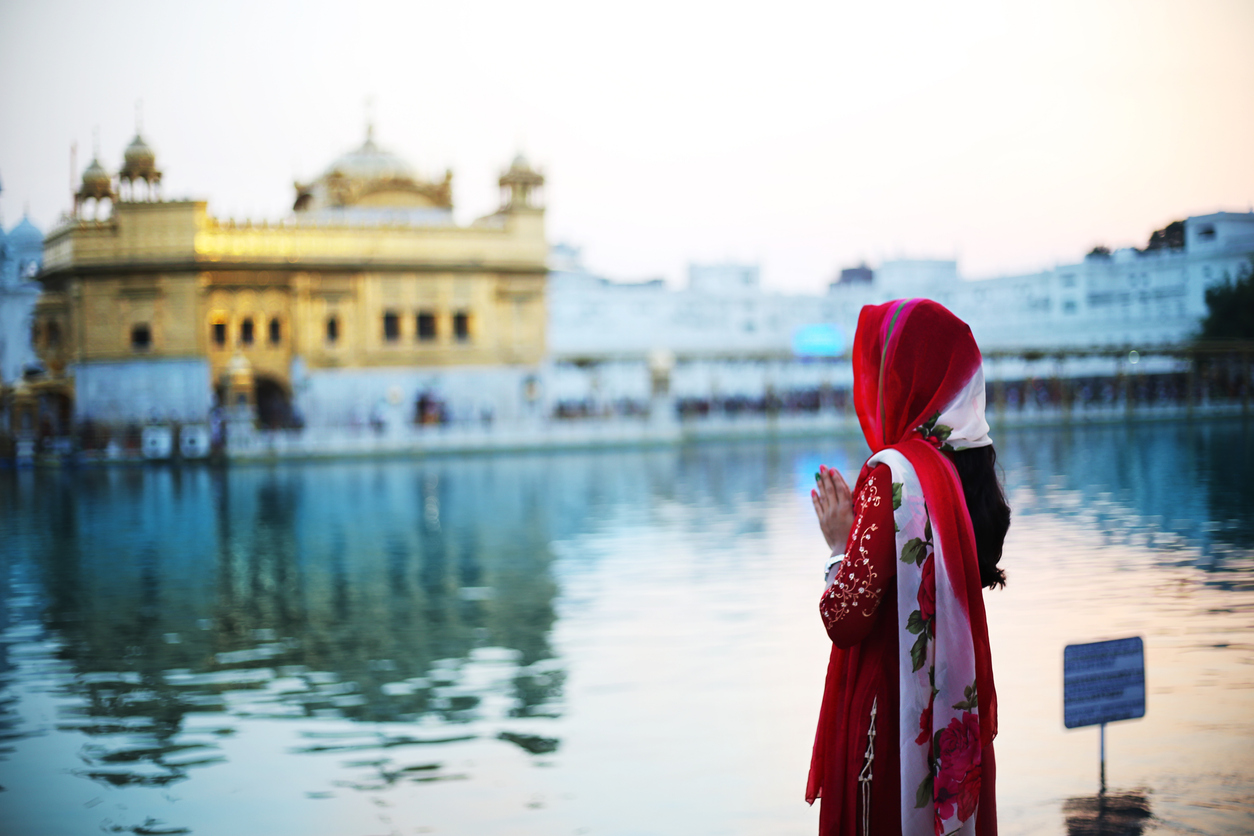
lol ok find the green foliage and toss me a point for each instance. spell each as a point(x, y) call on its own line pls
point(1170, 237)
point(913, 552)
point(1230, 308)
point(923, 795)
point(972, 701)
point(918, 653)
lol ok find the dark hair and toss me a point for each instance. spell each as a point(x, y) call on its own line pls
point(990, 513)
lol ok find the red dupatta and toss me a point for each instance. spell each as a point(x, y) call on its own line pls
point(918, 389)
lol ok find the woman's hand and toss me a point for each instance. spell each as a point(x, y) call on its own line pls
point(833, 504)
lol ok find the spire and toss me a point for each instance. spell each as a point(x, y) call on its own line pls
point(369, 119)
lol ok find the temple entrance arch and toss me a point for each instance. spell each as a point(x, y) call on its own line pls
point(274, 403)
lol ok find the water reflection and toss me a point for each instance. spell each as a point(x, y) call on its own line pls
point(1169, 487)
point(1108, 814)
point(450, 623)
point(374, 594)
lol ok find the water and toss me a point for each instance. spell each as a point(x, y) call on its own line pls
point(623, 642)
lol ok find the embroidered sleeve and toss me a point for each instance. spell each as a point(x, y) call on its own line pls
point(849, 604)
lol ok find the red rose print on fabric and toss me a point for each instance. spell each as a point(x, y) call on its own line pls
point(969, 796)
point(957, 779)
point(925, 724)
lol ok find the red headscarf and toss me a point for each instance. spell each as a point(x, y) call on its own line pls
point(914, 361)
point(911, 358)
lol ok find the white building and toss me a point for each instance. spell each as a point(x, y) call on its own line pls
point(1129, 298)
point(722, 335)
point(728, 337)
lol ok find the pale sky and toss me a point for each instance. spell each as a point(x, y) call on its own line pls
point(801, 136)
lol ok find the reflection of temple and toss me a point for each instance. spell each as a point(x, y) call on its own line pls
point(302, 592)
point(367, 294)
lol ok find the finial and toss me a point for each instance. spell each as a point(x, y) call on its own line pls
point(370, 119)
point(95, 142)
point(139, 116)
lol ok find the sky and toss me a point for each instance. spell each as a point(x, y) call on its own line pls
point(804, 137)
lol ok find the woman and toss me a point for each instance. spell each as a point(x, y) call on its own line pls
point(904, 742)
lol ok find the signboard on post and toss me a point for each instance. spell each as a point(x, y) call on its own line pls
point(1103, 682)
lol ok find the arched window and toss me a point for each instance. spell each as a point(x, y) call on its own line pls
point(333, 329)
point(246, 331)
point(425, 325)
point(141, 337)
point(276, 331)
point(461, 326)
point(217, 332)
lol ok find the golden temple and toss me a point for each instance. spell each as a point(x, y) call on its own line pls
point(156, 307)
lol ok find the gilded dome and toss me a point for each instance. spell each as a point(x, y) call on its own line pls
point(370, 162)
point(375, 185)
point(138, 154)
point(139, 162)
point(96, 181)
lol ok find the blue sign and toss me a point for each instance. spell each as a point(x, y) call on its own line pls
point(1103, 682)
point(818, 341)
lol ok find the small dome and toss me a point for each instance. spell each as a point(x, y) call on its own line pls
point(139, 155)
point(97, 184)
point(95, 177)
point(25, 236)
point(139, 162)
point(520, 164)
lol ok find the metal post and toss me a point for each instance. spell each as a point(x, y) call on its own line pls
point(1102, 749)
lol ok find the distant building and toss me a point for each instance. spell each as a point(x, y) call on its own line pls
point(363, 301)
point(1134, 298)
point(726, 335)
point(730, 337)
point(21, 258)
point(724, 279)
point(855, 275)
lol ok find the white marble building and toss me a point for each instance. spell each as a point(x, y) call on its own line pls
point(722, 335)
point(727, 336)
point(1129, 298)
